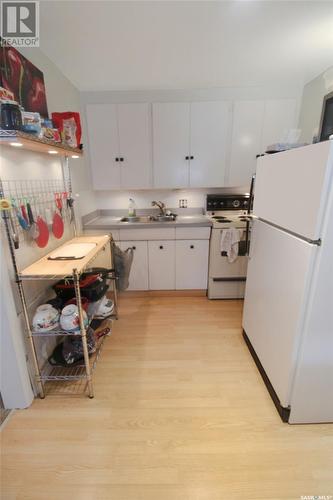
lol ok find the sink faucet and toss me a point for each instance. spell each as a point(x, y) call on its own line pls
point(160, 205)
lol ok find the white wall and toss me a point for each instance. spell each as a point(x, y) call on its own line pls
point(196, 198)
point(62, 95)
point(312, 102)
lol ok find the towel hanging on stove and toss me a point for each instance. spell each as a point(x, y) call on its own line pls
point(229, 244)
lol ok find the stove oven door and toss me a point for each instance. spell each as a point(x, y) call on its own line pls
point(226, 280)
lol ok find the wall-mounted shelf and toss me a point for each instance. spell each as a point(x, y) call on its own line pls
point(22, 140)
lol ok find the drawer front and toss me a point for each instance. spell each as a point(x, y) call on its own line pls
point(193, 233)
point(161, 258)
point(149, 233)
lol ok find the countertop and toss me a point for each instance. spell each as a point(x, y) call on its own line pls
point(112, 222)
point(44, 267)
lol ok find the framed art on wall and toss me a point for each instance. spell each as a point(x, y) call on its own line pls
point(24, 80)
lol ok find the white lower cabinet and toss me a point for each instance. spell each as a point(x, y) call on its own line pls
point(161, 258)
point(138, 279)
point(191, 264)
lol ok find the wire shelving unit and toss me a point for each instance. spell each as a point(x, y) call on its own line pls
point(40, 193)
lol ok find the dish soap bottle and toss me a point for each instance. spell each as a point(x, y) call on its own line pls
point(131, 208)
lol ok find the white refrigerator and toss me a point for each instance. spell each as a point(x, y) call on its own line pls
point(288, 308)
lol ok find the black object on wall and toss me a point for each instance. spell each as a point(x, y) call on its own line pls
point(326, 121)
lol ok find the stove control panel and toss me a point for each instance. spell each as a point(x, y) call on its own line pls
point(215, 202)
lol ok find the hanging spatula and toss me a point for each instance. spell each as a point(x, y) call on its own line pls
point(33, 229)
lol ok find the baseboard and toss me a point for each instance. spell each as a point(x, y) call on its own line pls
point(163, 293)
point(283, 412)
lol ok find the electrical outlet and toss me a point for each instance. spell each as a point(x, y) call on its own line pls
point(184, 203)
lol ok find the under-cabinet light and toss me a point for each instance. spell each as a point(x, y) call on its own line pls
point(52, 152)
point(16, 144)
point(75, 156)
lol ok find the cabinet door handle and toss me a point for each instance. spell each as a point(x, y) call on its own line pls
point(161, 247)
point(117, 159)
point(191, 246)
point(187, 157)
point(133, 248)
point(121, 159)
point(191, 157)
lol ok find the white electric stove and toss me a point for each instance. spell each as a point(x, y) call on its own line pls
point(227, 280)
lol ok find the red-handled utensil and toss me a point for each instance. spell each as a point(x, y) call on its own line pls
point(24, 213)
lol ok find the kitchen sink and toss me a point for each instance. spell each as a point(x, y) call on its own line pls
point(148, 219)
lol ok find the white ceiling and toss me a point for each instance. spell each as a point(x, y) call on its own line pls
point(106, 45)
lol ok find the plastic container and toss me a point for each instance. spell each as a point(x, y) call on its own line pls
point(131, 208)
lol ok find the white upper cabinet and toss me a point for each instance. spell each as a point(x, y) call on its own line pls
point(247, 127)
point(171, 148)
point(209, 143)
point(181, 144)
point(256, 125)
point(135, 145)
point(103, 145)
point(280, 116)
point(190, 144)
point(120, 145)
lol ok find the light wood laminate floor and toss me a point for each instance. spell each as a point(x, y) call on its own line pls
point(180, 413)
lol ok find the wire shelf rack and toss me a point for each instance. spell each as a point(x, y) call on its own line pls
point(76, 372)
point(41, 194)
point(92, 314)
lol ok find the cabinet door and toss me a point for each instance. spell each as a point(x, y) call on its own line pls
point(247, 128)
point(280, 116)
point(208, 143)
point(135, 145)
point(161, 258)
point(103, 145)
point(191, 264)
point(138, 279)
point(171, 133)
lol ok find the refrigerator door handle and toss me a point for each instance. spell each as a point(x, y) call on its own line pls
point(249, 209)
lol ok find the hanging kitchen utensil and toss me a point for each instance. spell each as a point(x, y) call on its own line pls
point(23, 223)
point(33, 229)
point(57, 225)
point(43, 237)
point(13, 232)
point(58, 201)
point(24, 213)
point(48, 217)
point(70, 206)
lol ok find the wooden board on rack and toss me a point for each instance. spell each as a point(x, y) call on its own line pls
point(58, 268)
point(33, 143)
